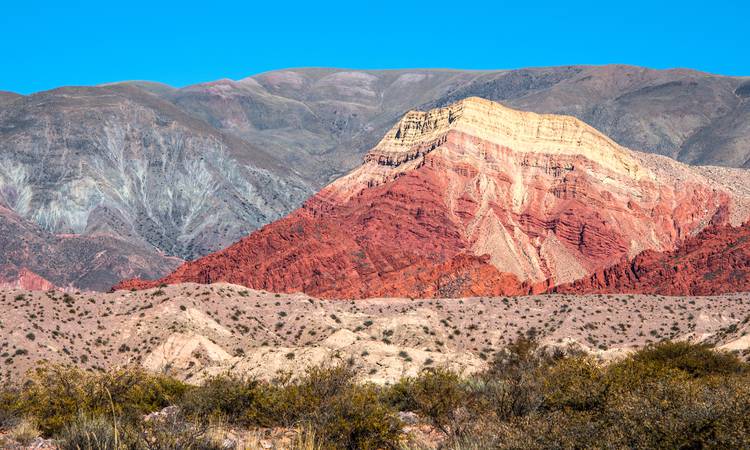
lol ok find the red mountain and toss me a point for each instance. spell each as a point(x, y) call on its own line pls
point(477, 199)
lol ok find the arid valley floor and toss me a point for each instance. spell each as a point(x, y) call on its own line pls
point(191, 331)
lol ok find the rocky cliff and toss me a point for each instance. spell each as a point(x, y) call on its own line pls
point(479, 197)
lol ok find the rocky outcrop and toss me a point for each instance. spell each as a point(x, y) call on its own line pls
point(15, 278)
point(474, 199)
point(716, 261)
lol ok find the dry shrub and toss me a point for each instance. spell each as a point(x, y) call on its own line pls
point(24, 432)
point(56, 396)
point(327, 401)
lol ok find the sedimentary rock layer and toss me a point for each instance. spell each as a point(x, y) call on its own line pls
point(715, 261)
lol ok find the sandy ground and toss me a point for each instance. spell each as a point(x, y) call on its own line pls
point(192, 331)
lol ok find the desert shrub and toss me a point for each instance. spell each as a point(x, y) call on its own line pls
point(170, 432)
point(436, 394)
point(9, 407)
point(341, 412)
point(57, 395)
point(223, 397)
point(519, 358)
point(173, 431)
point(576, 383)
point(356, 419)
point(325, 400)
point(665, 396)
point(555, 430)
point(513, 384)
point(96, 433)
point(24, 432)
point(290, 401)
point(695, 359)
point(677, 411)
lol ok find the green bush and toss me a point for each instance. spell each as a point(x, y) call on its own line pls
point(436, 394)
point(57, 395)
point(695, 359)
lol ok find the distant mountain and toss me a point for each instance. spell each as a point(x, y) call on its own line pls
point(477, 199)
point(322, 121)
point(189, 171)
point(120, 163)
point(35, 259)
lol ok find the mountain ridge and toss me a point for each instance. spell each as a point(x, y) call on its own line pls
point(498, 199)
point(251, 151)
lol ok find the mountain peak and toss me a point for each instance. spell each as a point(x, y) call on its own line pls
point(420, 132)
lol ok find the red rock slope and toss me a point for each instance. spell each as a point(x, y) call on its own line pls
point(23, 278)
point(716, 261)
point(473, 199)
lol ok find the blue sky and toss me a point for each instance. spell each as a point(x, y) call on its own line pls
point(45, 44)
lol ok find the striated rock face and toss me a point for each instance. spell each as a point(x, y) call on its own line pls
point(474, 199)
point(12, 277)
point(716, 261)
point(128, 183)
point(120, 160)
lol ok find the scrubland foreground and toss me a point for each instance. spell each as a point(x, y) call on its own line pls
point(667, 395)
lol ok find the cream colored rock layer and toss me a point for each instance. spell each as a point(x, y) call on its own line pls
point(522, 131)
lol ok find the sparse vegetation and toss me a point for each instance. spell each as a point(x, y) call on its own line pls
point(668, 395)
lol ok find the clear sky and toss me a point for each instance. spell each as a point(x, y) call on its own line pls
point(45, 44)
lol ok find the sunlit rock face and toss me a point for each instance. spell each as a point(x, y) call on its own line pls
point(716, 261)
point(475, 199)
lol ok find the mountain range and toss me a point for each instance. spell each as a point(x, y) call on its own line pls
point(130, 179)
point(478, 199)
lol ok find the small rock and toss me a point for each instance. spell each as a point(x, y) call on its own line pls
point(408, 417)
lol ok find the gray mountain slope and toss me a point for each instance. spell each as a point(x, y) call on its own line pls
point(323, 120)
point(120, 160)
